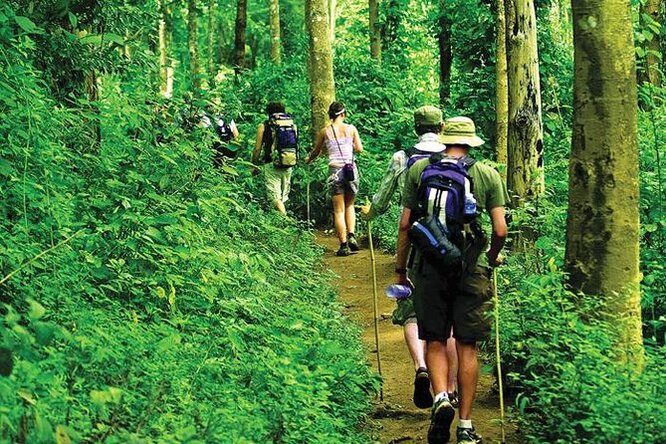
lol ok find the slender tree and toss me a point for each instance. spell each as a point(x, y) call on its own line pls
point(320, 63)
point(445, 54)
point(375, 31)
point(274, 21)
point(501, 87)
point(239, 42)
point(193, 43)
point(602, 251)
point(650, 11)
point(525, 139)
point(210, 41)
point(165, 32)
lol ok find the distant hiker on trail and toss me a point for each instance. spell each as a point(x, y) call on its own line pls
point(443, 199)
point(276, 153)
point(341, 141)
point(427, 125)
point(225, 133)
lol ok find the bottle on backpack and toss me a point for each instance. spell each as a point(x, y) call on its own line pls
point(281, 141)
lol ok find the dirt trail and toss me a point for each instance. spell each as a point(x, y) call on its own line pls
point(396, 419)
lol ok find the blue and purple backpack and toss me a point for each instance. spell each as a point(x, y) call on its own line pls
point(446, 205)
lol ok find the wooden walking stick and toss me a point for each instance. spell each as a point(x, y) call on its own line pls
point(307, 194)
point(497, 354)
point(375, 307)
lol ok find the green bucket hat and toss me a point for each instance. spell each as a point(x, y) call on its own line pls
point(427, 116)
point(460, 131)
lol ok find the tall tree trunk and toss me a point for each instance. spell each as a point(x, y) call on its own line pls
point(239, 45)
point(501, 87)
point(602, 251)
point(525, 132)
point(445, 54)
point(165, 31)
point(320, 63)
point(651, 8)
point(193, 43)
point(210, 41)
point(274, 19)
point(332, 15)
point(375, 31)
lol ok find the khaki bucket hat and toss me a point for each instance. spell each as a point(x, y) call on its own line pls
point(427, 116)
point(460, 131)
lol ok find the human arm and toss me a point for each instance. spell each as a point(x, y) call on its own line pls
point(498, 236)
point(257, 144)
point(403, 246)
point(234, 130)
point(319, 145)
point(381, 201)
point(358, 145)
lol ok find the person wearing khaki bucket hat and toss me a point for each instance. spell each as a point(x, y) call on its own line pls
point(450, 296)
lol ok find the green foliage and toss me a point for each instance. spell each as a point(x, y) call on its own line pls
point(152, 299)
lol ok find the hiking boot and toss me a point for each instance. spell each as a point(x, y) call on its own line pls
point(351, 240)
point(440, 422)
point(422, 396)
point(468, 436)
point(343, 251)
point(453, 398)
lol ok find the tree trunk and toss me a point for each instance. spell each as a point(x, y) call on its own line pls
point(651, 8)
point(332, 15)
point(165, 31)
point(602, 249)
point(193, 44)
point(525, 139)
point(445, 54)
point(239, 45)
point(320, 63)
point(274, 19)
point(501, 88)
point(375, 31)
point(210, 41)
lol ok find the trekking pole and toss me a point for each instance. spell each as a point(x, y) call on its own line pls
point(376, 310)
point(497, 356)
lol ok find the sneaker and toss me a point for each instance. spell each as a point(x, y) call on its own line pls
point(343, 251)
point(422, 396)
point(468, 436)
point(453, 398)
point(440, 422)
point(353, 245)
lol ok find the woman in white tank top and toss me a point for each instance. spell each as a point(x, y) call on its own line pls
point(340, 141)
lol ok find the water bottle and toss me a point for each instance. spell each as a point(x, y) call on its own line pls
point(398, 291)
point(470, 205)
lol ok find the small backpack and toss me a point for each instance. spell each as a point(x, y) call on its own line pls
point(223, 129)
point(280, 141)
point(446, 205)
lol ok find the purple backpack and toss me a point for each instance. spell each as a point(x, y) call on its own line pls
point(446, 204)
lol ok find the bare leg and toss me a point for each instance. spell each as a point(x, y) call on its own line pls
point(415, 345)
point(339, 217)
point(279, 205)
point(452, 356)
point(350, 213)
point(438, 367)
point(468, 376)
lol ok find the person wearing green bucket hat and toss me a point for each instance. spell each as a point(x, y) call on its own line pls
point(460, 294)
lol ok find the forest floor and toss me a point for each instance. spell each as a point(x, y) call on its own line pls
point(396, 419)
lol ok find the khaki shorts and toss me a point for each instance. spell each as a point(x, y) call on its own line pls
point(278, 182)
point(404, 312)
point(440, 303)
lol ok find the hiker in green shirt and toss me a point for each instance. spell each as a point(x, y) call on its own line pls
point(443, 298)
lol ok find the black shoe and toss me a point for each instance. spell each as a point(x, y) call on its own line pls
point(453, 398)
point(440, 422)
point(343, 251)
point(422, 396)
point(468, 436)
point(351, 240)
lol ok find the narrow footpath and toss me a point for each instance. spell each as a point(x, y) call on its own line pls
point(396, 419)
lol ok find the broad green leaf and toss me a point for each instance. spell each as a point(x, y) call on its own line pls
point(26, 24)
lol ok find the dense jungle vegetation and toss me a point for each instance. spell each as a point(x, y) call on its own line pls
point(146, 295)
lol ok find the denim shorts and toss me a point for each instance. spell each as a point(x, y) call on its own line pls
point(338, 185)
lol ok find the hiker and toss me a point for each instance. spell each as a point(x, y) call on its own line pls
point(276, 153)
point(427, 125)
point(225, 133)
point(341, 141)
point(443, 199)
